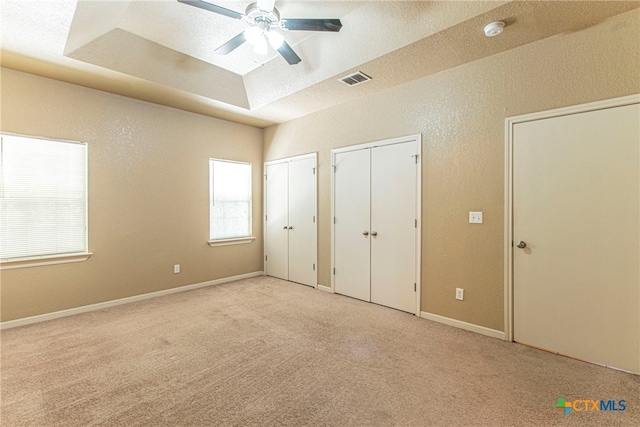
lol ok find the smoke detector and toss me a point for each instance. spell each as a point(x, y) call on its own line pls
point(494, 29)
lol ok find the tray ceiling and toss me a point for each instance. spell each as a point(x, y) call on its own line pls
point(163, 51)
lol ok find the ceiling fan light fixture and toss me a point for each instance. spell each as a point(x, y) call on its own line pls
point(253, 35)
point(275, 39)
point(260, 46)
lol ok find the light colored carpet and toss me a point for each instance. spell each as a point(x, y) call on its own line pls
point(272, 353)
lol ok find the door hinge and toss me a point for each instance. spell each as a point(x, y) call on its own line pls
point(334, 168)
point(314, 170)
point(334, 219)
point(414, 287)
point(314, 267)
point(416, 223)
point(265, 257)
point(265, 177)
point(334, 271)
point(314, 218)
point(417, 156)
point(265, 217)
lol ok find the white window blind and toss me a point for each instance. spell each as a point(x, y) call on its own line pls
point(43, 197)
point(230, 199)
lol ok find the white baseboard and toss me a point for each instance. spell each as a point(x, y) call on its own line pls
point(99, 306)
point(325, 288)
point(463, 325)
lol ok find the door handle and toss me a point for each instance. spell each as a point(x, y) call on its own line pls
point(521, 244)
point(365, 233)
point(284, 228)
point(374, 233)
point(290, 228)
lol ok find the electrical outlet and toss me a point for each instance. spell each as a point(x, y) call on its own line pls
point(459, 294)
point(176, 268)
point(475, 217)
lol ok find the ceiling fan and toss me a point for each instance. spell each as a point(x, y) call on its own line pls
point(263, 18)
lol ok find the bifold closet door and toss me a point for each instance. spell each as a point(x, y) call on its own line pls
point(375, 200)
point(352, 205)
point(302, 200)
point(277, 223)
point(393, 226)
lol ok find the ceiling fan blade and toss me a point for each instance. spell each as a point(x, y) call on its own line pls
point(213, 8)
point(312, 24)
point(288, 54)
point(232, 44)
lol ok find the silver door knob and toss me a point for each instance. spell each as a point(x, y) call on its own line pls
point(365, 233)
point(374, 233)
point(521, 244)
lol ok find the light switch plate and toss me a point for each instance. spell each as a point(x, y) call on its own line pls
point(475, 217)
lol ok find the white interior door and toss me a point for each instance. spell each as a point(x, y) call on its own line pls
point(277, 221)
point(302, 208)
point(393, 226)
point(352, 223)
point(576, 200)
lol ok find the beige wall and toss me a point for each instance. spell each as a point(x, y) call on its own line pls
point(148, 195)
point(460, 114)
point(148, 202)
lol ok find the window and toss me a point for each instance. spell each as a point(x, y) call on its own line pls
point(230, 202)
point(43, 200)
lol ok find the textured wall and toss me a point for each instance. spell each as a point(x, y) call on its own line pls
point(148, 171)
point(460, 114)
point(148, 195)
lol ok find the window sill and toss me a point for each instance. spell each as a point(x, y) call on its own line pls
point(227, 242)
point(44, 260)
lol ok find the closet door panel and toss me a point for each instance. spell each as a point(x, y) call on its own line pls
point(277, 233)
point(302, 202)
point(393, 226)
point(351, 229)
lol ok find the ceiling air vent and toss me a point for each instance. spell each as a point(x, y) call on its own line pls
point(355, 79)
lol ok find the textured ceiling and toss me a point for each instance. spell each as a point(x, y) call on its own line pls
point(162, 51)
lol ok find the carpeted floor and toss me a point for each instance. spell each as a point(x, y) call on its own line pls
point(266, 352)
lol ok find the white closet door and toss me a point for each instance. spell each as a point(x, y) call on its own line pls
point(302, 201)
point(351, 229)
point(276, 229)
point(393, 226)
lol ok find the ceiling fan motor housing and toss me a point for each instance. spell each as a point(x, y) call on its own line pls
point(261, 18)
